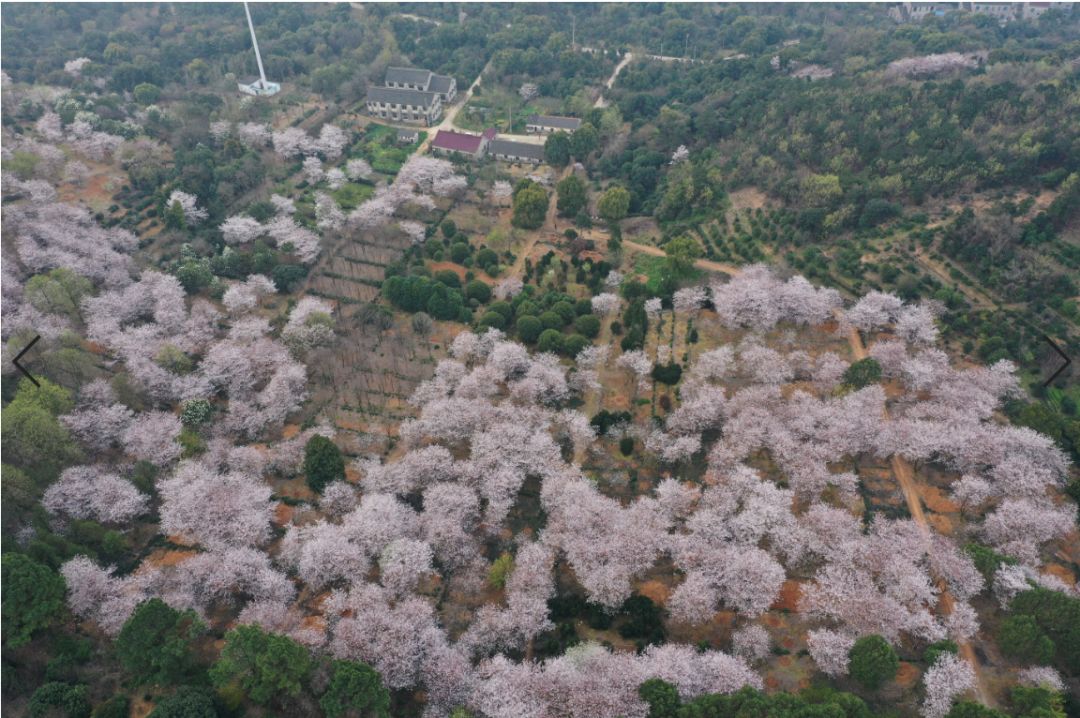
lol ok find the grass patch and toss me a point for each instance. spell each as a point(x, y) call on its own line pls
point(350, 196)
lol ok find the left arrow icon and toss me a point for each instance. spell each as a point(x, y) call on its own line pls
point(20, 367)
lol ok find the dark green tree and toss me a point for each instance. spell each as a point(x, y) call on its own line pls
point(154, 646)
point(572, 197)
point(33, 598)
point(323, 463)
point(557, 149)
point(529, 328)
point(1021, 639)
point(613, 205)
point(186, 702)
point(356, 688)
point(551, 340)
point(32, 435)
point(584, 141)
point(588, 325)
point(862, 373)
point(265, 666)
point(60, 699)
point(873, 661)
point(530, 205)
point(478, 290)
point(662, 697)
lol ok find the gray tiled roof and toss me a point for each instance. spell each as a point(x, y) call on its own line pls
point(407, 75)
point(440, 83)
point(563, 123)
point(516, 149)
point(400, 96)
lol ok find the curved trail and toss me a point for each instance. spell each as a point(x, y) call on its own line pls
point(905, 477)
point(901, 469)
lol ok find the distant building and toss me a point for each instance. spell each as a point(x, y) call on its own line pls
point(408, 136)
point(412, 78)
point(1003, 11)
point(513, 151)
point(449, 142)
point(404, 105)
point(258, 87)
point(543, 124)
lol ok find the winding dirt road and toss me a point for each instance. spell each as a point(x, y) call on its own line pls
point(901, 469)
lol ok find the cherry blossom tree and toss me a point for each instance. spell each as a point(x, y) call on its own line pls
point(153, 436)
point(415, 231)
point(192, 213)
point(331, 142)
point(310, 324)
point(751, 643)
point(947, 678)
point(215, 510)
point(288, 234)
point(93, 492)
point(240, 229)
point(358, 169)
point(313, 170)
point(328, 216)
point(283, 205)
point(605, 304)
point(830, 650)
point(1042, 677)
point(680, 155)
point(76, 66)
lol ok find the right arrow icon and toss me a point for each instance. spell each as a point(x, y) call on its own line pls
point(1063, 355)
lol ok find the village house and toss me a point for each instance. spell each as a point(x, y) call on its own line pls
point(449, 142)
point(413, 78)
point(404, 105)
point(408, 136)
point(544, 124)
point(513, 151)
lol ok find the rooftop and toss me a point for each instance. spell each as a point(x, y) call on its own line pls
point(410, 75)
point(440, 83)
point(565, 123)
point(517, 149)
point(458, 141)
point(401, 96)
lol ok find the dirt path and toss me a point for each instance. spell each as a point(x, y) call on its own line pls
point(901, 468)
point(705, 264)
point(978, 298)
point(451, 113)
point(600, 101)
point(905, 477)
point(549, 230)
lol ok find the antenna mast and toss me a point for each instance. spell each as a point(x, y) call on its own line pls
point(255, 42)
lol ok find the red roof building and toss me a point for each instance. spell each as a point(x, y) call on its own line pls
point(449, 141)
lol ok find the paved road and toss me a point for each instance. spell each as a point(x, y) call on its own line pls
point(452, 112)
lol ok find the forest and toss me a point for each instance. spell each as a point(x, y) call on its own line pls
point(736, 404)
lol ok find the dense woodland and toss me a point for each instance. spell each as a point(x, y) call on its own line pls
point(733, 406)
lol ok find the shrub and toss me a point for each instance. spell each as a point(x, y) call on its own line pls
point(323, 463)
point(626, 445)
point(873, 661)
point(550, 340)
point(529, 328)
point(588, 325)
point(573, 344)
point(551, 320)
point(1021, 639)
point(478, 290)
point(667, 373)
point(862, 373)
point(492, 319)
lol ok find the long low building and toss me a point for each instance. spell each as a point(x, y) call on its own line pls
point(513, 151)
point(449, 142)
point(544, 124)
point(404, 105)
